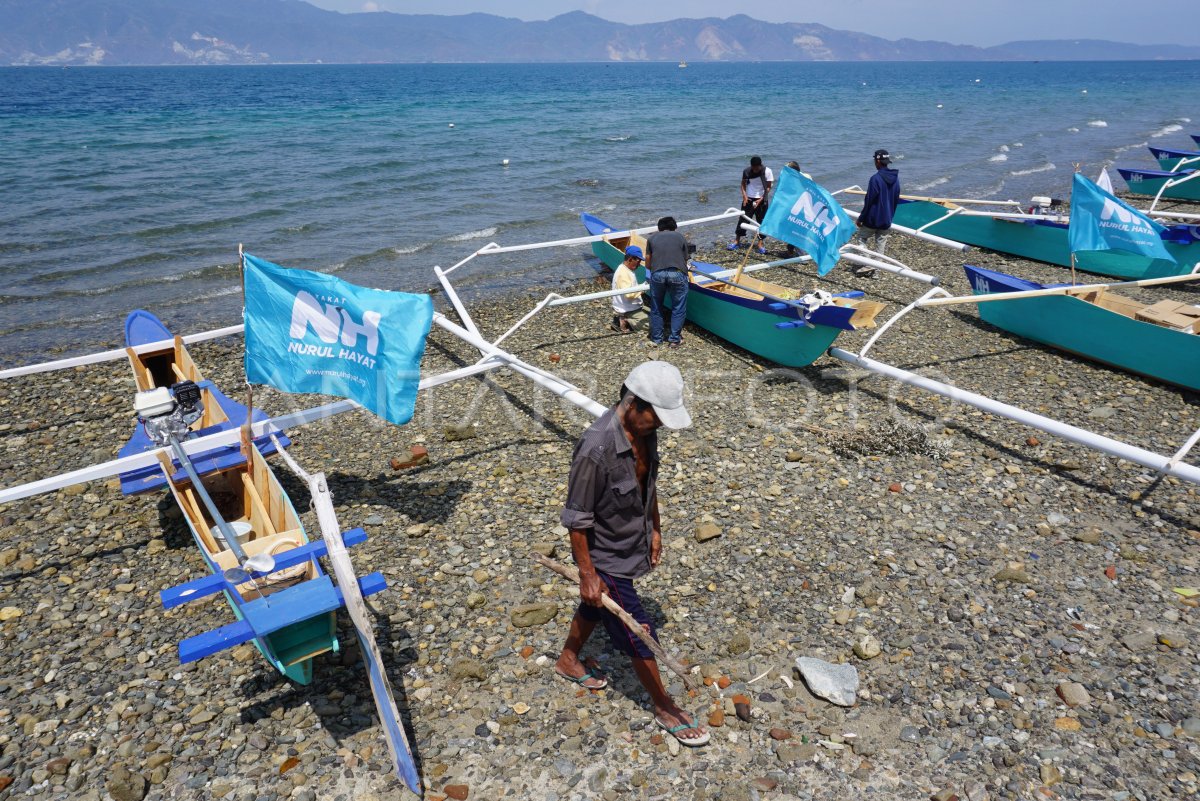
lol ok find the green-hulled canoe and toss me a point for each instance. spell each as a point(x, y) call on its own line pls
point(1099, 325)
point(1046, 240)
point(1149, 182)
point(741, 315)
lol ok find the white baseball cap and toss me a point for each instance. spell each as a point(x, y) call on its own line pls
point(660, 384)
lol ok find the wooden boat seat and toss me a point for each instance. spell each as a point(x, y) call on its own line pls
point(273, 544)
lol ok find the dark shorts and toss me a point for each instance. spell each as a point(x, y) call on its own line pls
point(621, 590)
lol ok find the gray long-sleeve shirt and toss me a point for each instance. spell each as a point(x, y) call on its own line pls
point(605, 500)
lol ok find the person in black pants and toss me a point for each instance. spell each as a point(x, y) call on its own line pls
point(756, 189)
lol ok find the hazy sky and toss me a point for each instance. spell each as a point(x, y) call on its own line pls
point(976, 22)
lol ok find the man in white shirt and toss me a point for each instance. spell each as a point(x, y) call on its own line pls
point(627, 308)
point(756, 187)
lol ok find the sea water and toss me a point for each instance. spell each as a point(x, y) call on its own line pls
point(124, 188)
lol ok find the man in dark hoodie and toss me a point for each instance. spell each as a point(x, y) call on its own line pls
point(875, 219)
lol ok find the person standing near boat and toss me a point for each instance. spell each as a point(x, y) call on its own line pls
point(756, 189)
point(627, 308)
point(611, 513)
point(875, 219)
point(666, 264)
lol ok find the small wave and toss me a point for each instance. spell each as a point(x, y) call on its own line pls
point(481, 234)
point(1032, 170)
point(1018, 144)
point(405, 251)
point(1003, 148)
point(1072, 130)
point(1169, 129)
point(999, 157)
point(936, 182)
point(588, 182)
point(625, 138)
point(1134, 146)
point(1098, 124)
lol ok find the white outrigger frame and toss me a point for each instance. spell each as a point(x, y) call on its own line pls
point(1168, 465)
point(1018, 213)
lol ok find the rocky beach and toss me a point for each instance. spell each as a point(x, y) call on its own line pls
point(1018, 610)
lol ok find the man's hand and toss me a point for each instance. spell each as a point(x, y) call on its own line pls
point(655, 548)
point(591, 588)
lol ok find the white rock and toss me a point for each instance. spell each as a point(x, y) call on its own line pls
point(837, 684)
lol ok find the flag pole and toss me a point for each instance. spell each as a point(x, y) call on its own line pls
point(247, 434)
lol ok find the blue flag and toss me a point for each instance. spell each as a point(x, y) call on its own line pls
point(1100, 221)
point(803, 214)
point(309, 332)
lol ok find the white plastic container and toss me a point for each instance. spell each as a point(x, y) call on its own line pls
point(241, 529)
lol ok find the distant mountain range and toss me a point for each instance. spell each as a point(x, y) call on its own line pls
point(138, 32)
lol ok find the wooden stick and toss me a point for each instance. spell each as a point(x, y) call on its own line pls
point(1058, 290)
point(572, 574)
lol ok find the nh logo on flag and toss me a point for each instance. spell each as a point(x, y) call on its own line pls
point(1099, 221)
point(807, 216)
point(307, 332)
point(815, 212)
point(331, 323)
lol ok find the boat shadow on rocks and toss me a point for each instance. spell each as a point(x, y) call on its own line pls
point(342, 700)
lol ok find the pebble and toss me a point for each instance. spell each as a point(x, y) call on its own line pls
point(835, 683)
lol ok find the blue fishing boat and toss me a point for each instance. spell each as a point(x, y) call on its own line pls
point(159, 359)
point(783, 325)
point(1154, 340)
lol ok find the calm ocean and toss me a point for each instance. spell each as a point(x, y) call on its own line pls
point(128, 188)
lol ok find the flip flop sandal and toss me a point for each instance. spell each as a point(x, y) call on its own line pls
point(592, 673)
point(690, 742)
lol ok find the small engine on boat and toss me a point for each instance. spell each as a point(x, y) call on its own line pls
point(1044, 205)
point(169, 412)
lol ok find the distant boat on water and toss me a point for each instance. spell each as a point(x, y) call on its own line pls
point(682, 64)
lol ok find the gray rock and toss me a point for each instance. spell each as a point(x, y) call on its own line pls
point(533, 615)
point(1073, 694)
point(837, 684)
point(125, 785)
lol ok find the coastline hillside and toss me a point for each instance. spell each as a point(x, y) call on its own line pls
point(159, 32)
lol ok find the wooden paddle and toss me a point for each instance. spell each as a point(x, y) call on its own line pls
point(571, 573)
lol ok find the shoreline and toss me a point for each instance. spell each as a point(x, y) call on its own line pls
point(973, 553)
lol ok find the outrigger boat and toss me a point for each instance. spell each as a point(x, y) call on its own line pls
point(1041, 234)
point(1096, 321)
point(289, 614)
point(1174, 160)
point(1183, 185)
point(783, 325)
point(1158, 340)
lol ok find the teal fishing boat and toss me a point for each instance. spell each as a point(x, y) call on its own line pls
point(783, 325)
point(1156, 340)
point(1044, 237)
point(1159, 183)
point(1173, 160)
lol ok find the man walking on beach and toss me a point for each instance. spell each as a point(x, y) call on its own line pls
point(756, 187)
point(612, 516)
point(666, 262)
point(627, 308)
point(883, 195)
